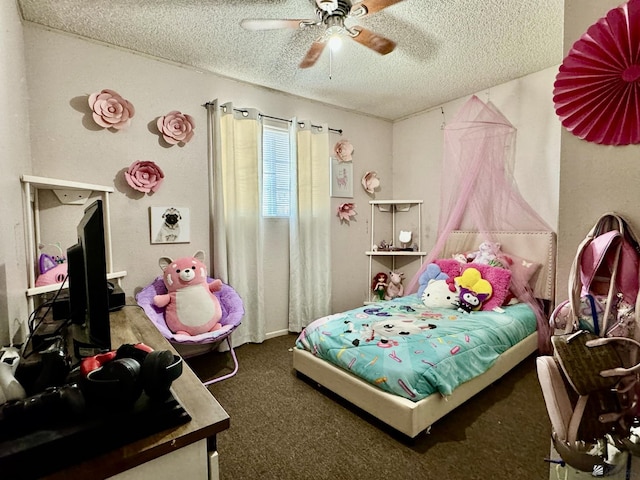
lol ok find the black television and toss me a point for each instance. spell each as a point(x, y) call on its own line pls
point(88, 285)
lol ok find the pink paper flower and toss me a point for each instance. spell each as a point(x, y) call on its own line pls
point(144, 176)
point(344, 151)
point(346, 211)
point(176, 127)
point(370, 182)
point(110, 110)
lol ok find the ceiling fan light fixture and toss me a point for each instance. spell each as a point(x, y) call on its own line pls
point(327, 5)
point(335, 42)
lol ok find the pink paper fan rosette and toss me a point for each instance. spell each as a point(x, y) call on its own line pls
point(346, 211)
point(344, 151)
point(176, 127)
point(597, 90)
point(144, 176)
point(110, 110)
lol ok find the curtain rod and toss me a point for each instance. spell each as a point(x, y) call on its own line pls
point(334, 130)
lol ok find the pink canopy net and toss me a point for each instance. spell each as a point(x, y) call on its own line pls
point(480, 192)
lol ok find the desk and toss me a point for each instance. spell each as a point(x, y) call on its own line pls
point(186, 451)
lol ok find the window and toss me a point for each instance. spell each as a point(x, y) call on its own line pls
point(276, 169)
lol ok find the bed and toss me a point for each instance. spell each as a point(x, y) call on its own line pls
point(409, 402)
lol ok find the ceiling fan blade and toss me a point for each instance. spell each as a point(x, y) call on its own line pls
point(367, 7)
point(313, 54)
point(274, 24)
point(373, 41)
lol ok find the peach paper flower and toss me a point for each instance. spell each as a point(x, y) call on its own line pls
point(346, 211)
point(176, 127)
point(110, 110)
point(144, 176)
point(344, 151)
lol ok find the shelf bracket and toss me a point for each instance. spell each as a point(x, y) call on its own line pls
point(72, 197)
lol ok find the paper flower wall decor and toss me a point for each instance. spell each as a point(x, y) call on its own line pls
point(346, 211)
point(176, 127)
point(144, 176)
point(110, 110)
point(370, 182)
point(597, 88)
point(344, 151)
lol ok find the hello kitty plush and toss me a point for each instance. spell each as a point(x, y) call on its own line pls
point(191, 306)
point(441, 294)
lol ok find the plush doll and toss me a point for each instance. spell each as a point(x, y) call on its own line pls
point(432, 272)
point(441, 294)
point(473, 289)
point(470, 300)
point(488, 253)
point(191, 306)
point(395, 288)
point(379, 284)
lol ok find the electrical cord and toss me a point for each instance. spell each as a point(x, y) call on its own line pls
point(34, 321)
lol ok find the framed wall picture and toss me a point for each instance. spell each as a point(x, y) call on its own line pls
point(170, 225)
point(341, 178)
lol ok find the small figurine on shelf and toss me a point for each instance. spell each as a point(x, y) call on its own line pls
point(405, 239)
point(383, 246)
point(379, 284)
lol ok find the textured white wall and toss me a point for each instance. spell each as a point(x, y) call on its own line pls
point(527, 103)
point(14, 161)
point(63, 70)
point(594, 179)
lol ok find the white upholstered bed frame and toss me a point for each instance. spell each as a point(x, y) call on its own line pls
point(412, 418)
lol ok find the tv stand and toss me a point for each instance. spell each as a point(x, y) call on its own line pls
point(184, 451)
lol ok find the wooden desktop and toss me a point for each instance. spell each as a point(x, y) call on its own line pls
point(186, 451)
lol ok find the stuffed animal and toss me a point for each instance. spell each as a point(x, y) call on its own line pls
point(488, 253)
point(470, 300)
point(395, 288)
point(432, 272)
point(191, 306)
point(473, 289)
point(441, 294)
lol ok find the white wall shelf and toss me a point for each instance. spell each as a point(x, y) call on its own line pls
point(68, 193)
point(390, 209)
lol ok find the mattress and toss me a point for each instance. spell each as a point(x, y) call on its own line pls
point(404, 348)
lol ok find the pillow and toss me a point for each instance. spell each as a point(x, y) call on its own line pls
point(450, 266)
point(522, 270)
point(500, 280)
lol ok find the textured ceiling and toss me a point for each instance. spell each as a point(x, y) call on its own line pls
point(446, 48)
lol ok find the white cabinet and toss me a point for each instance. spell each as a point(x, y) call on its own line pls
point(69, 193)
point(388, 219)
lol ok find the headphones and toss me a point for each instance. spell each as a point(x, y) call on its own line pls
point(119, 377)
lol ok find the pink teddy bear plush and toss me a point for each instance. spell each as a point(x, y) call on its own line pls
point(191, 306)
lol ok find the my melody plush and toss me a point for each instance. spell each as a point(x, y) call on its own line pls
point(191, 306)
point(441, 294)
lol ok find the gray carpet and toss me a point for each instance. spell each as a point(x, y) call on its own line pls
point(285, 427)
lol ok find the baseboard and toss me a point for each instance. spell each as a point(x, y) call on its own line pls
point(277, 333)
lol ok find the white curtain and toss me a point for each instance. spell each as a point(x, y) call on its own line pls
point(309, 229)
point(237, 224)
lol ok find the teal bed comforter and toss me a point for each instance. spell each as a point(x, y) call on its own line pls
point(407, 349)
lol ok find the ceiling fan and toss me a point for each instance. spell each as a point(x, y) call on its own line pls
point(332, 14)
